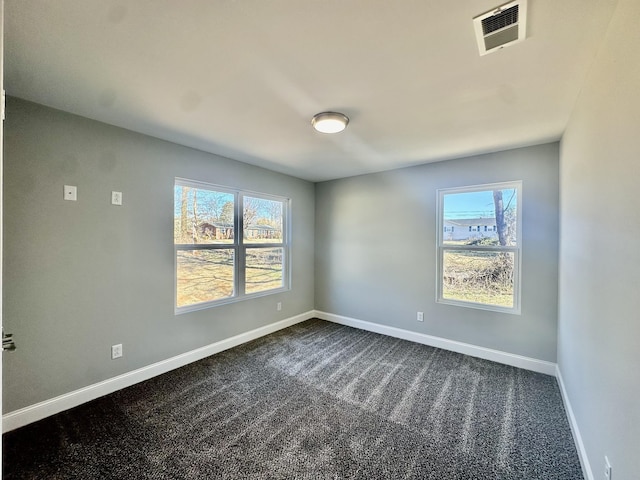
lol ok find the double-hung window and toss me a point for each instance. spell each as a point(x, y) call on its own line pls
point(229, 244)
point(479, 262)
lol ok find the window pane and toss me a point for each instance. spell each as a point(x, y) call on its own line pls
point(263, 269)
point(262, 220)
point(485, 217)
point(480, 277)
point(204, 275)
point(202, 216)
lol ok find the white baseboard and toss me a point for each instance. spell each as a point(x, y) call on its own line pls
point(33, 413)
point(38, 411)
point(514, 360)
point(582, 452)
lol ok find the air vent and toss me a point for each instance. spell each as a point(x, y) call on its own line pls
point(501, 27)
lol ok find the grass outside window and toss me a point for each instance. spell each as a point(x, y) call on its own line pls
point(230, 245)
point(479, 246)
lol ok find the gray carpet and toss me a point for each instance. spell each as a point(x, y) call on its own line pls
point(314, 401)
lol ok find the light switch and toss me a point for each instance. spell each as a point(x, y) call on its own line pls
point(116, 198)
point(71, 193)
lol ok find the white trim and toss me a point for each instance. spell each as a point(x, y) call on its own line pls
point(33, 413)
point(512, 359)
point(239, 246)
point(516, 250)
point(582, 452)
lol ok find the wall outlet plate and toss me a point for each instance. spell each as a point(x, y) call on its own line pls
point(420, 316)
point(116, 198)
point(116, 351)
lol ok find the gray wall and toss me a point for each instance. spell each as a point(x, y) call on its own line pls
point(376, 250)
point(81, 276)
point(599, 326)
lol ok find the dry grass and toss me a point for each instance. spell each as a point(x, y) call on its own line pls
point(204, 276)
point(479, 277)
point(207, 275)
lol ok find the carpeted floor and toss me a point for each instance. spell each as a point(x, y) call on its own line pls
point(314, 401)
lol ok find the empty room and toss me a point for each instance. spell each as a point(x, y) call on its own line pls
point(249, 239)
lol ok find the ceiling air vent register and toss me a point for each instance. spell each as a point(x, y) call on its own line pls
point(501, 27)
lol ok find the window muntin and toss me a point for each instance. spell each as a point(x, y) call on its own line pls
point(479, 262)
point(229, 245)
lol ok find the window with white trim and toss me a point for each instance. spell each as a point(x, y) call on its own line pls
point(229, 244)
point(479, 263)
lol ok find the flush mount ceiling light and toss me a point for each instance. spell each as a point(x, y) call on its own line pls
point(329, 122)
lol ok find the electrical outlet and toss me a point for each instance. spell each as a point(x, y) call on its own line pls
point(116, 351)
point(420, 317)
point(279, 306)
point(607, 468)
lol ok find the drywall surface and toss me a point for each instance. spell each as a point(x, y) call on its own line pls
point(376, 250)
point(599, 326)
point(82, 276)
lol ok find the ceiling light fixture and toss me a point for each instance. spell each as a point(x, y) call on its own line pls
point(329, 122)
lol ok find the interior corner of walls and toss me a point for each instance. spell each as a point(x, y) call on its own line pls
point(51, 148)
point(413, 193)
point(33, 413)
point(506, 358)
point(575, 429)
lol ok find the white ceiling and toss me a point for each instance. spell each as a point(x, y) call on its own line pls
point(242, 78)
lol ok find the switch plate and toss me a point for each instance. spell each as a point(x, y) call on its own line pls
point(71, 193)
point(116, 198)
point(116, 351)
point(279, 306)
point(420, 316)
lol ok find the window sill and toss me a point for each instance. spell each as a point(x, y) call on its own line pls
point(226, 301)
